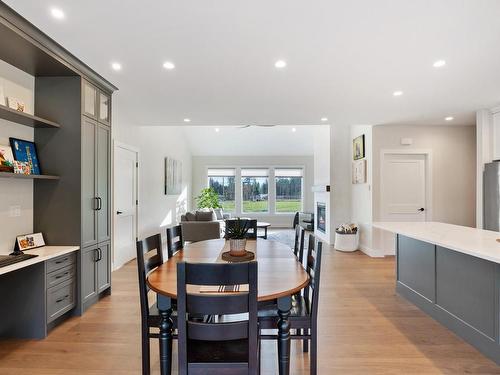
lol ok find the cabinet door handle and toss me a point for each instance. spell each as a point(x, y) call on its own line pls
point(62, 275)
point(61, 261)
point(62, 299)
point(96, 204)
point(99, 252)
point(96, 255)
point(99, 203)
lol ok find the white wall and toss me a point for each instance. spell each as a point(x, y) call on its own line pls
point(361, 194)
point(200, 164)
point(14, 192)
point(322, 161)
point(453, 172)
point(157, 210)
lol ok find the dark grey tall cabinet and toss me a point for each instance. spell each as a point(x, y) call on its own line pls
point(72, 203)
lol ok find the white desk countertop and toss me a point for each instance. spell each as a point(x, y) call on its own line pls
point(44, 253)
point(476, 242)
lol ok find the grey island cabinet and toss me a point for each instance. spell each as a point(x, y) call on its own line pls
point(452, 273)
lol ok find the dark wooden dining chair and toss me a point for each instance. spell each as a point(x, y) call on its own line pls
point(175, 242)
point(250, 223)
point(149, 257)
point(298, 247)
point(212, 347)
point(304, 313)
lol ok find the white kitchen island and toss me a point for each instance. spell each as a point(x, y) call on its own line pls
point(453, 274)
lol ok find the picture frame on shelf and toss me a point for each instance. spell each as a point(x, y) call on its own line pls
point(16, 104)
point(6, 159)
point(358, 147)
point(25, 151)
point(30, 241)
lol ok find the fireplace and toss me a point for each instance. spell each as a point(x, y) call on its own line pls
point(321, 217)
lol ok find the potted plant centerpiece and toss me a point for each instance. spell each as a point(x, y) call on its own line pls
point(236, 234)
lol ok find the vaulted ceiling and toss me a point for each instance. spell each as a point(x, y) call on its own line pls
point(344, 59)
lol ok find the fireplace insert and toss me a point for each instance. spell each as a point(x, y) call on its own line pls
point(321, 216)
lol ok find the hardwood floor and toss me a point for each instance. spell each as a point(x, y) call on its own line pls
point(365, 328)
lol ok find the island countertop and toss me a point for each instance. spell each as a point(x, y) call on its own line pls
point(480, 243)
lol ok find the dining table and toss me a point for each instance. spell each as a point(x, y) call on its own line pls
point(280, 276)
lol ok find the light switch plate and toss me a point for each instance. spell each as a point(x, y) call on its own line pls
point(15, 211)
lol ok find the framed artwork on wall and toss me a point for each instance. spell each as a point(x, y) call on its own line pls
point(358, 147)
point(359, 172)
point(25, 151)
point(173, 176)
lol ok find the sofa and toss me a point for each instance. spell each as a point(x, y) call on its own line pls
point(203, 224)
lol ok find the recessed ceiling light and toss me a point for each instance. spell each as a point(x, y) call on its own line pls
point(168, 65)
point(116, 66)
point(217, 130)
point(294, 130)
point(439, 64)
point(324, 119)
point(187, 120)
point(57, 13)
point(449, 118)
point(280, 64)
point(397, 93)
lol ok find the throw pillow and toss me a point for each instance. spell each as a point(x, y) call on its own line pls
point(205, 216)
point(190, 216)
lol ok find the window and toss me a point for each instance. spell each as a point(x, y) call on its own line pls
point(288, 190)
point(222, 181)
point(254, 190)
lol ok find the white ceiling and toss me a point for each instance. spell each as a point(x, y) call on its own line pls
point(345, 58)
point(252, 141)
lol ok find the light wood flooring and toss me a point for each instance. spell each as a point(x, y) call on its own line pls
point(365, 328)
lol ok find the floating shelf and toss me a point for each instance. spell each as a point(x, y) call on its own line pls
point(28, 176)
point(22, 118)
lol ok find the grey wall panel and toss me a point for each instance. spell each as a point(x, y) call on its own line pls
point(465, 287)
point(416, 265)
point(103, 183)
point(89, 194)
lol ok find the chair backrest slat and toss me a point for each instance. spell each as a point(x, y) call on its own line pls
point(217, 332)
point(175, 241)
point(217, 304)
point(153, 245)
point(219, 274)
point(313, 268)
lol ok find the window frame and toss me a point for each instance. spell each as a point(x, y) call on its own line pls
point(302, 168)
point(235, 175)
point(269, 171)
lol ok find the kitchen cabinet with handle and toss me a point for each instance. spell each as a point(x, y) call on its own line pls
point(96, 265)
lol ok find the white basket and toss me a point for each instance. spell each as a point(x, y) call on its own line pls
point(346, 242)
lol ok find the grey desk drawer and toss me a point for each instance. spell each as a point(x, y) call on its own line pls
point(58, 276)
point(60, 299)
point(60, 262)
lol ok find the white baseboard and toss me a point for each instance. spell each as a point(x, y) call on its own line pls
point(371, 252)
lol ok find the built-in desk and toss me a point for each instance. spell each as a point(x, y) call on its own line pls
point(453, 274)
point(37, 293)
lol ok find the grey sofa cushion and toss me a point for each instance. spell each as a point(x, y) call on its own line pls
point(190, 216)
point(205, 216)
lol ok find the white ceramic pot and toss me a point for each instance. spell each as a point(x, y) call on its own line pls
point(237, 247)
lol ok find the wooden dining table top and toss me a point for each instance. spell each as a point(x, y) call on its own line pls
point(279, 272)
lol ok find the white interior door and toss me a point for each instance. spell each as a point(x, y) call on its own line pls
point(125, 183)
point(403, 187)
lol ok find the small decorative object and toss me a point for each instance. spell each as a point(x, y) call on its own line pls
point(30, 241)
point(208, 198)
point(25, 151)
point(358, 147)
point(21, 167)
point(173, 176)
point(359, 171)
point(16, 104)
point(236, 234)
point(347, 237)
point(6, 159)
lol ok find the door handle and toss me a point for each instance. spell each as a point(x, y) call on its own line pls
point(119, 212)
point(421, 209)
point(99, 203)
point(98, 254)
